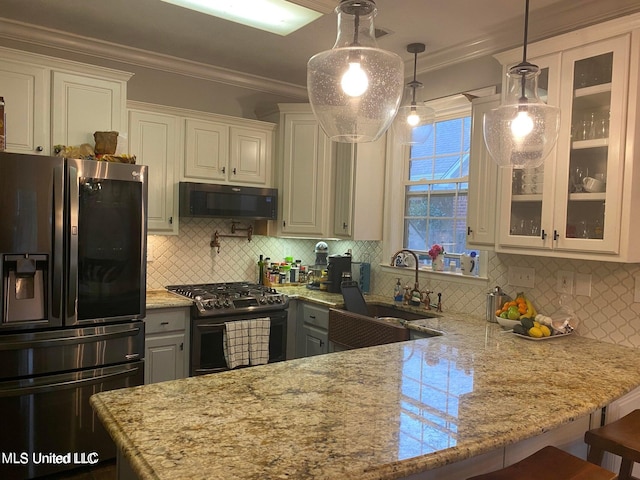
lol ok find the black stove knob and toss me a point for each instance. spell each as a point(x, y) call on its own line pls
point(226, 304)
point(262, 300)
point(278, 299)
point(207, 306)
point(269, 300)
point(217, 304)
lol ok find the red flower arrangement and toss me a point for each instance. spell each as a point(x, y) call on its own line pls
point(435, 251)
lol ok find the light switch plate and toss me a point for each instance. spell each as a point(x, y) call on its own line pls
point(565, 282)
point(522, 276)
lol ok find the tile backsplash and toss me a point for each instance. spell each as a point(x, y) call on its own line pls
point(609, 314)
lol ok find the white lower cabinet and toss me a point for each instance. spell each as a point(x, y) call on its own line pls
point(166, 345)
point(312, 335)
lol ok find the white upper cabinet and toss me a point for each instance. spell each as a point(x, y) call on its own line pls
point(483, 180)
point(155, 140)
point(206, 150)
point(250, 154)
point(51, 101)
point(359, 190)
point(25, 89)
point(593, 76)
point(303, 165)
point(228, 150)
point(84, 104)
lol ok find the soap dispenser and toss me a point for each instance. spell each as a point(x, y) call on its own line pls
point(397, 292)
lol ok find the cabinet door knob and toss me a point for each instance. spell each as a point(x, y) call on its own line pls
point(344, 225)
point(543, 234)
point(224, 169)
point(556, 235)
point(164, 323)
point(182, 346)
point(39, 148)
point(469, 231)
point(234, 171)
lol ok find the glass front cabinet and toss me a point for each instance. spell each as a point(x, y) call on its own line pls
point(584, 201)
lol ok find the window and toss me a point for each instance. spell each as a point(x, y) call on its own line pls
point(436, 188)
point(428, 187)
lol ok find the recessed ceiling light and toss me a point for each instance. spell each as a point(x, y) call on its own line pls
point(275, 16)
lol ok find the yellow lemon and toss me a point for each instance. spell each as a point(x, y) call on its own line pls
point(536, 324)
point(535, 332)
point(545, 330)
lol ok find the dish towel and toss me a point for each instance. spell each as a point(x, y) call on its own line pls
point(236, 343)
point(259, 340)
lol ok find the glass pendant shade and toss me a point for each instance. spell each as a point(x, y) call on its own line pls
point(355, 88)
point(522, 131)
point(413, 124)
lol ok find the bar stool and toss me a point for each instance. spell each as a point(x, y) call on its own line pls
point(549, 463)
point(621, 438)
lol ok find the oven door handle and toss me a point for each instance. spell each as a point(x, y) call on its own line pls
point(211, 325)
point(67, 384)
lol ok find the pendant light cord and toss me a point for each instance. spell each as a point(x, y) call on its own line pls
point(523, 96)
point(526, 31)
point(414, 83)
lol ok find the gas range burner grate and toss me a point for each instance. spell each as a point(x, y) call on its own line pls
point(236, 297)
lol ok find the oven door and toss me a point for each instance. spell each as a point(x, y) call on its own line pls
point(207, 341)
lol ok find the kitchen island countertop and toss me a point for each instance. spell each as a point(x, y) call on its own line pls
point(383, 412)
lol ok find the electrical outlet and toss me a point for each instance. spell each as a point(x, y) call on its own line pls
point(150, 256)
point(522, 276)
point(565, 282)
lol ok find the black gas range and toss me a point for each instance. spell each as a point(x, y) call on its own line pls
point(216, 304)
point(234, 298)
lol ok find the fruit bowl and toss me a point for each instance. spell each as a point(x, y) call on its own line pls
point(506, 323)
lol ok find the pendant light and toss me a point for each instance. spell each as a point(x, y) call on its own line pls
point(522, 131)
point(355, 88)
point(413, 114)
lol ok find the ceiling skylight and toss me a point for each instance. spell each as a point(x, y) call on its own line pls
point(275, 16)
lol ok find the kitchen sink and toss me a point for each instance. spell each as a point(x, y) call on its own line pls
point(384, 324)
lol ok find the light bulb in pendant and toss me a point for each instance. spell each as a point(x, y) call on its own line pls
point(413, 118)
point(354, 82)
point(522, 125)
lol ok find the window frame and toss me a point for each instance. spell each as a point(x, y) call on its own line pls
point(397, 166)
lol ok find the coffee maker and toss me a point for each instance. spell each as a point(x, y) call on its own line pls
point(337, 266)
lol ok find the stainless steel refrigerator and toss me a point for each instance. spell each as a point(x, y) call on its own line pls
point(73, 270)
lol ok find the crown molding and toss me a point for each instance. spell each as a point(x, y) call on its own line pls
point(560, 18)
point(35, 35)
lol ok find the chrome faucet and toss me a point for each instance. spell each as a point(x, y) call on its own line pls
point(393, 262)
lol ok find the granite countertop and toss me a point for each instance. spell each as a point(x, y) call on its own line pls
point(383, 412)
point(165, 299)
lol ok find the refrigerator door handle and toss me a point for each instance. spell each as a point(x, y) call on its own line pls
point(58, 247)
point(72, 250)
point(68, 383)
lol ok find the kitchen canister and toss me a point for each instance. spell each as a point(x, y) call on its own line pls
point(495, 300)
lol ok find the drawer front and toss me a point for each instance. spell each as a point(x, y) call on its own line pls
point(314, 315)
point(166, 320)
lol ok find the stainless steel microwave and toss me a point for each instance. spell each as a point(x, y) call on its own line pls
point(228, 201)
